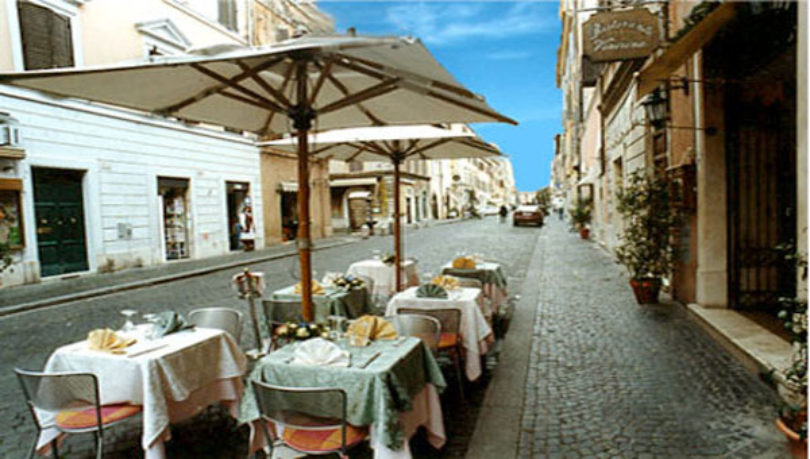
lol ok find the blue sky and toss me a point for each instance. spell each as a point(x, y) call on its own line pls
point(504, 50)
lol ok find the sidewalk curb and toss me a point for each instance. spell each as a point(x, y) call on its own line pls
point(25, 307)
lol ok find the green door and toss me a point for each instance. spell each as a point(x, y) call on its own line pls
point(60, 221)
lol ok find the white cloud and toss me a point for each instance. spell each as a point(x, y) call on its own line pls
point(509, 55)
point(451, 23)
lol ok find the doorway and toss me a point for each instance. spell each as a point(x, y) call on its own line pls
point(173, 194)
point(59, 210)
point(289, 215)
point(237, 197)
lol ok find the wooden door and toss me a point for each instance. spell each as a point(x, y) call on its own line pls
point(59, 210)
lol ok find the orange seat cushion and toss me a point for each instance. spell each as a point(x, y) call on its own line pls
point(448, 340)
point(320, 441)
point(86, 418)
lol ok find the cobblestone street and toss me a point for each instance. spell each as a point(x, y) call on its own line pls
point(609, 378)
point(606, 377)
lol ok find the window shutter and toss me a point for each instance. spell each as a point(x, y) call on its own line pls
point(46, 37)
point(227, 14)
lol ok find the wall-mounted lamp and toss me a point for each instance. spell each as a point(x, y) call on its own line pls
point(655, 107)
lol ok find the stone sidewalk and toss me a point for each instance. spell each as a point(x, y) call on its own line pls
point(600, 376)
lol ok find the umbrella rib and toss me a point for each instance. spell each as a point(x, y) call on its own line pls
point(325, 71)
point(343, 89)
point(322, 149)
point(287, 79)
point(258, 97)
point(382, 69)
point(429, 146)
point(247, 100)
point(411, 145)
point(215, 89)
point(374, 148)
point(264, 84)
point(470, 107)
point(369, 93)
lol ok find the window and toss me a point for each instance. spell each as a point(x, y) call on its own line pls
point(227, 14)
point(355, 166)
point(46, 37)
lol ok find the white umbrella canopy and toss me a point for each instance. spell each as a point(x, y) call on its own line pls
point(396, 144)
point(335, 81)
point(351, 81)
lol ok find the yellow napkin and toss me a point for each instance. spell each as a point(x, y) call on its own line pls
point(447, 282)
point(317, 288)
point(464, 263)
point(107, 341)
point(370, 327)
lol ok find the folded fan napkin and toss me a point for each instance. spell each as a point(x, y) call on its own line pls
point(169, 322)
point(464, 263)
point(107, 340)
point(370, 327)
point(448, 282)
point(318, 351)
point(431, 291)
point(317, 289)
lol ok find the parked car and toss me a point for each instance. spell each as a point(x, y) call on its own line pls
point(527, 214)
point(490, 210)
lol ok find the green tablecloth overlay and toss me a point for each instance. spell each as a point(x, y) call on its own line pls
point(375, 394)
point(487, 273)
point(351, 303)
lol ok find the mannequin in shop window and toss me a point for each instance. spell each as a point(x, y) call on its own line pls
point(247, 234)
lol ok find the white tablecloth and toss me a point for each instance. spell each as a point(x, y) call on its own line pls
point(383, 275)
point(497, 295)
point(476, 334)
point(182, 374)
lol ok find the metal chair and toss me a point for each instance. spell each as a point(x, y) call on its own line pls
point(226, 319)
point(450, 338)
point(73, 399)
point(313, 419)
point(279, 312)
point(421, 326)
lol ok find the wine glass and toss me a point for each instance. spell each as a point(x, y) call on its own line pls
point(129, 326)
point(336, 324)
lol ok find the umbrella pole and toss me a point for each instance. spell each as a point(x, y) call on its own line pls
point(302, 115)
point(397, 227)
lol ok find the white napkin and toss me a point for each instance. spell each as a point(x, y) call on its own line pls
point(318, 351)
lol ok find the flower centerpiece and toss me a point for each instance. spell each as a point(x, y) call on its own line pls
point(292, 331)
point(347, 282)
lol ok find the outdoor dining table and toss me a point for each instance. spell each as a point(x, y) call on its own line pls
point(351, 303)
point(491, 276)
point(384, 276)
point(476, 333)
point(173, 377)
point(392, 386)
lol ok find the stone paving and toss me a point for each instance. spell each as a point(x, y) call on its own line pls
point(609, 378)
point(27, 338)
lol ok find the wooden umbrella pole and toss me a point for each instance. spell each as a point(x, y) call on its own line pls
point(302, 115)
point(397, 228)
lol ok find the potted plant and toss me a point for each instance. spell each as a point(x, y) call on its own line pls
point(792, 382)
point(581, 217)
point(647, 248)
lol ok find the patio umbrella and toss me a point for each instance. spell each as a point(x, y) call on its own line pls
point(336, 81)
point(396, 144)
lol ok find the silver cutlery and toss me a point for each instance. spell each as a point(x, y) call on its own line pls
point(146, 351)
point(371, 359)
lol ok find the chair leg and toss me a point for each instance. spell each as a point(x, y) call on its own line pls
point(99, 445)
point(54, 448)
point(33, 451)
point(457, 362)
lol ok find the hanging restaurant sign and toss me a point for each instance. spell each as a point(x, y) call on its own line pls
point(620, 35)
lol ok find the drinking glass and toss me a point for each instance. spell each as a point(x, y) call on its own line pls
point(129, 326)
point(336, 324)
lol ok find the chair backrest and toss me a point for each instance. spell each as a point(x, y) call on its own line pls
point(307, 408)
point(468, 282)
point(421, 326)
point(280, 311)
point(59, 391)
point(449, 318)
point(368, 283)
point(227, 319)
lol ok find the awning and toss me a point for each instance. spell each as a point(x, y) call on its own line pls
point(352, 182)
point(686, 46)
point(360, 195)
point(288, 187)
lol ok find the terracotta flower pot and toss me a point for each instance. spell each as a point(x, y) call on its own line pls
point(798, 446)
point(584, 233)
point(646, 290)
